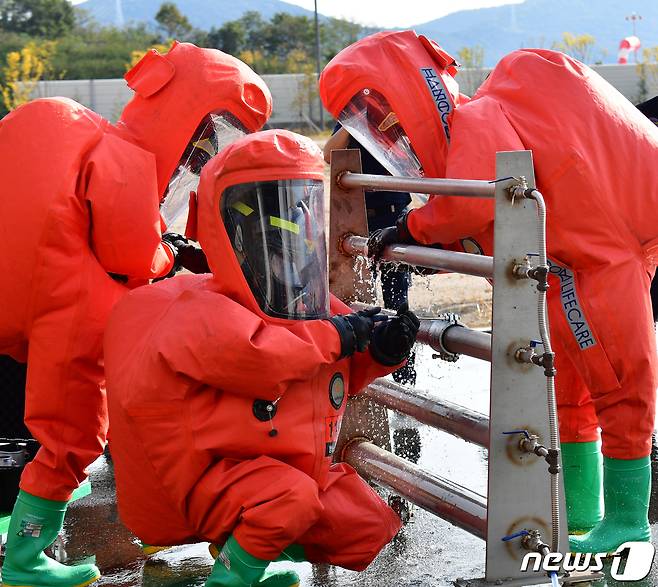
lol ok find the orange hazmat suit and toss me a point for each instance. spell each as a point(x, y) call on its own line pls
point(80, 201)
point(224, 413)
point(593, 156)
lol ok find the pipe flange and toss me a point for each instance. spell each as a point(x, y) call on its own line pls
point(453, 320)
point(341, 240)
point(350, 442)
point(339, 177)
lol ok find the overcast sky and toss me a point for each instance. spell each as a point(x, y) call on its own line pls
point(391, 13)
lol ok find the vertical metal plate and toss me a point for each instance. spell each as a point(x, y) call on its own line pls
point(347, 215)
point(519, 483)
point(351, 280)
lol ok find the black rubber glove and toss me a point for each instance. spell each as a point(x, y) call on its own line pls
point(186, 255)
point(393, 340)
point(354, 330)
point(193, 259)
point(380, 239)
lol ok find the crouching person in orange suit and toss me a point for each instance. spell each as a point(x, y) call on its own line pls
point(79, 208)
point(226, 391)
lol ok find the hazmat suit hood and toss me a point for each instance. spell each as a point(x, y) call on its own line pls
point(175, 91)
point(259, 199)
point(395, 93)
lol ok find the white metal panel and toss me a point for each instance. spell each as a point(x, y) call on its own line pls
point(519, 483)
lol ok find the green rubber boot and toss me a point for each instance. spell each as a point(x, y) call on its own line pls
point(34, 525)
point(294, 553)
point(582, 465)
point(626, 490)
point(235, 567)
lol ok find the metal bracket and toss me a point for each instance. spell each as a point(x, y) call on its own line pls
point(347, 217)
point(452, 320)
point(519, 488)
point(363, 417)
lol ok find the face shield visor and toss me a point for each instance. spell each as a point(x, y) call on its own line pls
point(369, 118)
point(215, 132)
point(276, 229)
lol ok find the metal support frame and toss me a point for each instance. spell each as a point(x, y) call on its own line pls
point(364, 418)
point(519, 482)
point(347, 216)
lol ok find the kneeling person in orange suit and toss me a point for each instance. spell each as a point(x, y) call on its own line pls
point(226, 404)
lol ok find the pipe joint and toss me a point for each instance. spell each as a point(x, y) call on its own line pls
point(438, 330)
point(525, 270)
point(547, 361)
point(532, 541)
point(540, 275)
point(529, 443)
point(528, 354)
point(553, 460)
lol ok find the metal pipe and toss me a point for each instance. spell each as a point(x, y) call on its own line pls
point(478, 265)
point(452, 502)
point(469, 188)
point(452, 418)
point(444, 335)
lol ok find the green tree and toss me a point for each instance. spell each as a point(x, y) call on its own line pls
point(472, 72)
point(286, 33)
point(95, 52)
point(173, 22)
point(137, 54)
point(22, 71)
point(472, 57)
point(230, 37)
point(254, 28)
point(285, 43)
point(255, 50)
point(41, 18)
point(579, 47)
point(647, 71)
point(336, 34)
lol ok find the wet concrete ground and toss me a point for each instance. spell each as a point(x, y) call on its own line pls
point(427, 553)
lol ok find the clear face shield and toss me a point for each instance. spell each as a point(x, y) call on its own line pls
point(215, 132)
point(369, 118)
point(277, 232)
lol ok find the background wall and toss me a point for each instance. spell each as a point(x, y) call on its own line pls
point(294, 97)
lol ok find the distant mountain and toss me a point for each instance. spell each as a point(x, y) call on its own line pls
point(499, 30)
point(203, 14)
point(538, 23)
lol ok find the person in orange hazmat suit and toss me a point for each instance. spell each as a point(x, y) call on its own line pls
point(650, 109)
point(593, 154)
point(226, 406)
point(80, 213)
